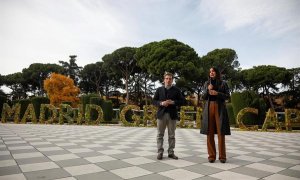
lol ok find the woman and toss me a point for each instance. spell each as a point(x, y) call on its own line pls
point(215, 118)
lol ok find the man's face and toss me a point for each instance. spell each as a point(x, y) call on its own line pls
point(168, 80)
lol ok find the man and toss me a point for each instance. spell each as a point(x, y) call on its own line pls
point(168, 98)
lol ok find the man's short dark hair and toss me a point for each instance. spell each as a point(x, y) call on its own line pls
point(168, 74)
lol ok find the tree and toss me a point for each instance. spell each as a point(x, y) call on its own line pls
point(168, 55)
point(292, 95)
point(266, 78)
point(122, 62)
point(93, 77)
point(71, 69)
point(17, 84)
point(173, 56)
point(36, 73)
point(60, 88)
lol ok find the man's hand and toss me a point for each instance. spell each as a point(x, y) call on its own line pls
point(166, 103)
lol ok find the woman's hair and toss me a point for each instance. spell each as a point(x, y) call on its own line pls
point(218, 77)
point(218, 74)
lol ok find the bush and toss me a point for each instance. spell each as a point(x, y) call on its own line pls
point(85, 99)
point(24, 104)
point(231, 116)
point(37, 101)
point(96, 101)
point(128, 115)
point(245, 99)
point(2, 101)
point(107, 107)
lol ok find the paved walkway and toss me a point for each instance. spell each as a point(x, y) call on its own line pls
point(69, 152)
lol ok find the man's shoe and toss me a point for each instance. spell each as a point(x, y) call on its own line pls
point(160, 156)
point(173, 156)
point(223, 160)
point(211, 160)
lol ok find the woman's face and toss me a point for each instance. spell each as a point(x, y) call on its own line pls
point(212, 73)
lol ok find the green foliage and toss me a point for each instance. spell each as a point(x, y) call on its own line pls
point(128, 115)
point(85, 99)
point(168, 55)
point(23, 103)
point(242, 100)
point(266, 78)
point(36, 73)
point(71, 69)
point(231, 116)
point(2, 101)
point(37, 101)
point(94, 112)
point(107, 108)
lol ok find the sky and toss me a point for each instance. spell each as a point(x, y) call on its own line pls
point(262, 32)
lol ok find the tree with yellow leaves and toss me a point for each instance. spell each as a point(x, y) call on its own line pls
point(61, 88)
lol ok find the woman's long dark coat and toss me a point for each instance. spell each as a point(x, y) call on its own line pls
point(223, 94)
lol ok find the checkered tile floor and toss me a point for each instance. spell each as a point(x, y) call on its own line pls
point(69, 152)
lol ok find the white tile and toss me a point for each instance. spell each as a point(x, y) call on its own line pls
point(33, 139)
point(15, 142)
point(39, 143)
point(13, 177)
point(46, 149)
point(11, 138)
point(224, 166)
point(20, 147)
point(97, 159)
point(38, 166)
point(80, 150)
point(178, 163)
point(78, 141)
point(180, 174)
point(232, 176)
point(138, 160)
point(256, 148)
point(297, 168)
point(55, 140)
point(249, 158)
point(143, 153)
point(110, 152)
point(119, 147)
point(27, 155)
point(147, 148)
point(279, 177)
point(182, 155)
point(67, 178)
point(92, 145)
point(83, 169)
point(9, 162)
point(285, 150)
point(286, 160)
point(268, 153)
point(63, 157)
point(130, 172)
point(238, 151)
point(3, 153)
point(66, 144)
point(294, 154)
point(265, 167)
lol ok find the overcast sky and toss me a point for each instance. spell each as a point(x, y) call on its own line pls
point(262, 32)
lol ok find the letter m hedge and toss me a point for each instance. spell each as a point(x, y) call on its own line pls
point(7, 112)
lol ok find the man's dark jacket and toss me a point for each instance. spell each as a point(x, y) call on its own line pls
point(163, 94)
